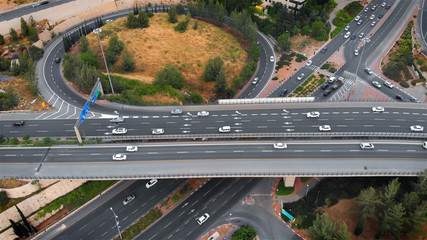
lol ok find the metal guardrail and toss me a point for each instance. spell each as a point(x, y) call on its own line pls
point(236, 174)
point(421, 136)
point(266, 100)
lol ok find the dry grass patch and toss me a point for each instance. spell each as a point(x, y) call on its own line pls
point(154, 47)
point(12, 183)
point(25, 97)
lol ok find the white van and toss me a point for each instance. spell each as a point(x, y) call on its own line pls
point(224, 129)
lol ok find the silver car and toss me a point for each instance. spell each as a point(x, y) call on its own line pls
point(176, 111)
point(158, 131)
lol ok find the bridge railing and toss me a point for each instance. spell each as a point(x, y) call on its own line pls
point(387, 135)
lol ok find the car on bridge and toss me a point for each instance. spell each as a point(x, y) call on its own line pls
point(131, 149)
point(176, 111)
point(200, 220)
point(18, 123)
point(417, 128)
point(325, 128)
point(128, 199)
point(313, 114)
point(158, 131)
point(425, 145)
point(119, 131)
point(224, 129)
point(368, 146)
point(377, 109)
point(117, 120)
point(203, 114)
point(280, 145)
point(151, 183)
point(119, 157)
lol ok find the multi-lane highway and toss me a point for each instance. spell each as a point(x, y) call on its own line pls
point(341, 118)
point(100, 223)
point(209, 159)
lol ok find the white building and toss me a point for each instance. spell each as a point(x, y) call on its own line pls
point(291, 4)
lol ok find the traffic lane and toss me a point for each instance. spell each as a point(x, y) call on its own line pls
point(22, 11)
point(219, 207)
point(213, 198)
point(100, 224)
point(231, 152)
point(22, 155)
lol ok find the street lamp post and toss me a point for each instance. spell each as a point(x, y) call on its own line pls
point(306, 192)
point(229, 218)
point(98, 31)
point(364, 41)
point(116, 219)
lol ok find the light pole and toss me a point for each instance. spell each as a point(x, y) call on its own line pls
point(229, 218)
point(116, 219)
point(307, 190)
point(98, 31)
point(364, 41)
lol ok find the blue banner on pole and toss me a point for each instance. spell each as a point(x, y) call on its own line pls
point(95, 95)
point(84, 112)
point(288, 215)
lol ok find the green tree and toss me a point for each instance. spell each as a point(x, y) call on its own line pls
point(26, 137)
point(323, 228)
point(196, 98)
point(171, 76)
point(132, 21)
point(143, 20)
point(212, 69)
point(27, 225)
point(36, 53)
point(31, 21)
point(217, 11)
point(195, 26)
point(18, 229)
point(4, 64)
point(8, 100)
point(416, 213)
point(87, 78)
point(368, 202)
point(389, 194)
point(393, 220)
point(4, 199)
point(2, 40)
point(421, 186)
point(172, 15)
point(245, 232)
point(283, 41)
point(128, 64)
point(221, 84)
point(180, 9)
point(90, 59)
point(342, 233)
point(115, 48)
point(24, 27)
point(84, 46)
point(32, 34)
point(305, 30)
point(13, 35)
point(242, 23)
point(317, 30)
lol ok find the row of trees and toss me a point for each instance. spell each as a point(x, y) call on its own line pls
point(70, 39)
point(24, 229)
point(141, 21)
point(398, 213)
point(28, 30)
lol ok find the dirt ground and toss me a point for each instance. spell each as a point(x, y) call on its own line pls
point(11, 183)
point(154, 47)
point(25, 97)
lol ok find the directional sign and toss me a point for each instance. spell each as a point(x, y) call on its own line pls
point(288, 215)
point(95, 95)
point(84, 112)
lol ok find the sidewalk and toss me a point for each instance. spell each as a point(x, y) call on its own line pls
point(301, 190)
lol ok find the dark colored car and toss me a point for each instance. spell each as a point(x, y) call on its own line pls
point(324, 49)
point(326, 93)
point(398, 97)
point(387, 7)
point(57, 60)
point(380, 16)
point(324, 86)
point(284, 91)
point(18, 123)
point(353, 36)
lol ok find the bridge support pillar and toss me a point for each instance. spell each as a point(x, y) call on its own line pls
point(289, 181)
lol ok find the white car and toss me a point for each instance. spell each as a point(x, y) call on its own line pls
point(361, 35)
point(357, 18)
point(158, 131)
point(373, 24)
point(372, 17)
point(176, 111)
point(119, 131)
point(332, 79)
point(119, 157)
point(425, 145)
point(200, 220)
point(388, 84)
point(347, 28)
point(280, 145)
point(376, 84)
point(128, 199)
point(131, 149)
point(383, 4)
point(416, 128)
point(367, 146)
point(271, 59)
point(255, 81)
point(356, 52)
point(347, 35)
point(377, 109)
point(151, 183)
point(300, 76)
point(309, 62)
point(203, 114)
point(325, 128)
point(224, 129)
point(313, 114)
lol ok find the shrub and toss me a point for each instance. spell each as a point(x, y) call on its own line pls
point(420, 61)
point(196, 98)
point(332, 69)
point(185, 190)
point(360, 227)
point(325, 66)
point(353, 8)
point(176, 197)
point(14, 141)
point(275, 78)
point(404, 84)
point(26, 137)
point(47, 140)
point(300, 58)
point(171, 76)
point(245, 232)
point(4, 199)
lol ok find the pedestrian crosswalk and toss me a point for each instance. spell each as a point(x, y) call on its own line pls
point(314, 68)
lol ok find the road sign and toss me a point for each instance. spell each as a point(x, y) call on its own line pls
point(84, 112)
point(95, 95)
point(43, 104)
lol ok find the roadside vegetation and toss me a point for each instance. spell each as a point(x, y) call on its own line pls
point(282, 190)
point(330, 66)
point(26, 141)
point(393, 207)
point(308, 86)
point(245, 232)
point(401, 59)
point(345, 16)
